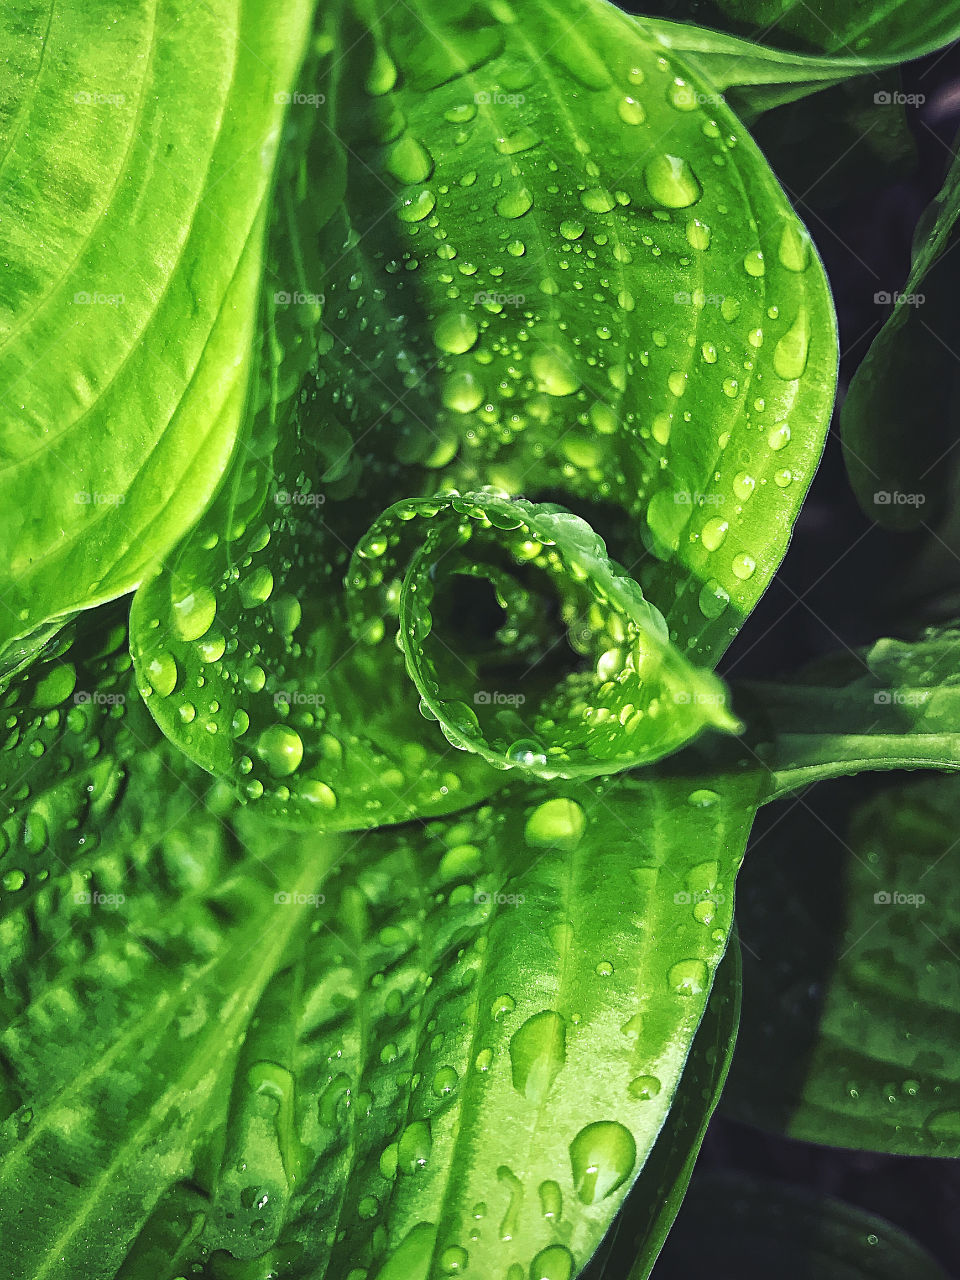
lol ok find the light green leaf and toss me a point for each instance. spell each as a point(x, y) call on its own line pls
point(568, 276)
point(388, 1053)
point(899, 462)
point(896, 705)
point(849, 1034)
point(761, 1226)
point(137, 154)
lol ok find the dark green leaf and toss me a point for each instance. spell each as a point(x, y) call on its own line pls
point(850, 1032)
point(764, 1228)
point(896, 705)
point(898, 459)
point(395, 1053)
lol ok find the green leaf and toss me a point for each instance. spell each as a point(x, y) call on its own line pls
point(894, 30)
point(898, 461)
point(762, 1226)
point(138, 154)
point(849, 1033)
point(896, 705)
point(638, 700)
point(387, 1053)
point(73, 725)
point(569, 277)
point(649, 1211)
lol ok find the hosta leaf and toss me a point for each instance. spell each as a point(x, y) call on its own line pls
point(650, 1209)
point(137, 154)
point(570, 277)
point(761, 1226)
point(850, 1033)
point(896, 705)
point(640, 700)
point(900, 465)
point(892, 29)
point(412, 1049)
point(73, 724)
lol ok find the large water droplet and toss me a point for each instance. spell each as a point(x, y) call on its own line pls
point(537, 1052)
point(194, 612)
point(455, 332)
point(514, 204)
point(672, 182)
point(553, 1263)
point(602, 1156)
point(792, 351)
point(409, 161)
point(689, 977)
point(280, 749)
point(556, 823)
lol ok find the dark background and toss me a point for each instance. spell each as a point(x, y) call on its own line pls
point(859, 176)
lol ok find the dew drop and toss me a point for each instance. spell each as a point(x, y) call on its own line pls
point(537, 1053)
point(555, 1262)
point(794, 252)
point(602, 1156)
point(689, 977)
point(754, 264)
point(558, 823)
point(514, 204)
point(643, 1088)
point(409, 161)
point(193, 613)
point(672, 182)
point(713, 533)
point(744, 566)
point(455, 333)
point(792, 351)
point(280, 749)
point(630, 111)
point(162, 674)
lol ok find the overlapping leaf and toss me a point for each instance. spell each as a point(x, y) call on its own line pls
point(850, 1026)
point(570, 277)
point(788, 1231)
point(413, 1048)
point(137, 154)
